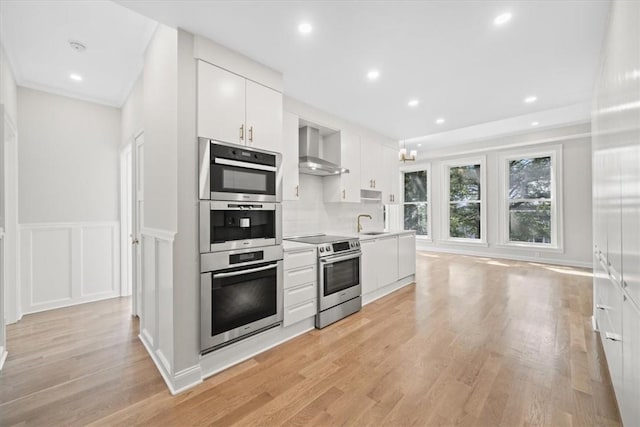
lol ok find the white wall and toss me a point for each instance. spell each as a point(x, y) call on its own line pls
point(68, 159)
point(132, 113)
point(69, 200)
point(8, 89)
point(576, 146)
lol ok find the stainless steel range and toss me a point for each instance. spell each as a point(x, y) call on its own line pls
point(339, 277)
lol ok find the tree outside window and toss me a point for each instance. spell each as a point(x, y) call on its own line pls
point(415, 202)
point(464, 202)
point(530, 200)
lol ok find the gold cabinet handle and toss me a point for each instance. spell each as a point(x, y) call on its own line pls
point(374, 183)
point(344, 194)
point(250, 133)
point(242, 132)
point(297, 191)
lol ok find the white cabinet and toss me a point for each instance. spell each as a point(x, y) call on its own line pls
point(371, 168)
point(344, 149)
point(234, 109)
point(387, 259)
point(630, 407)
point(300, 285)
point(370, 258)
point(388, 263)
point(290, 154)
point(221, 104)
point(263, 117)
point(406, 255)
point(391, 184)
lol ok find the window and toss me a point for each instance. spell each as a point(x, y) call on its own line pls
point(416, 199)
point(464, 187)
point(530, 201)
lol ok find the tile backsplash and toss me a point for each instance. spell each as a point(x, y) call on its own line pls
point(310, 215)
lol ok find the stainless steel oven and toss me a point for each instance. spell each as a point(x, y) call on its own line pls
point(236, 225)
point(234, 172)
point(340, 279)
point(241, 294)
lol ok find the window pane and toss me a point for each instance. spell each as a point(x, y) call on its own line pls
point(464, 220)
point(530, 178)
point(415, 218)
point(415, 186)
point(530, 222)
point(464, 183)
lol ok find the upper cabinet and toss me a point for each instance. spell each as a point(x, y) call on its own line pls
point(234, 109)
point(391, 187)
point(371, 174)
point(290, 153)
point(343, 148)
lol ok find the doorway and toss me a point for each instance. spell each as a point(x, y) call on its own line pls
point(132, 209)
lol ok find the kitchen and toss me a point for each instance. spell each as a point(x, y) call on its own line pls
point(254, 223)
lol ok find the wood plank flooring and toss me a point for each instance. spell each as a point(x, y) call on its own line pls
point(476, 341)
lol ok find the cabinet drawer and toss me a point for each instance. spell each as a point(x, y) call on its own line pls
point(299, 294)
point(300, 312)
point(300, 276)
point(300, 258)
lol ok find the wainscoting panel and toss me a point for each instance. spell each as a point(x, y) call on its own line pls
point(68, 264)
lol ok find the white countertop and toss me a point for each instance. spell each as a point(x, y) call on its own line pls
point(290, 246)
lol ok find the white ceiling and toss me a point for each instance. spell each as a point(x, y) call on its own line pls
point(448, 54)
point(36, 34)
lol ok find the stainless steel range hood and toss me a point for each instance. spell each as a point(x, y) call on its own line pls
point(310, 161)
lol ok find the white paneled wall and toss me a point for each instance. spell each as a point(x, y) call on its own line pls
point(66, 264)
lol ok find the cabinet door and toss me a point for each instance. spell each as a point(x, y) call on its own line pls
point(629, 407)
point(350, 153)
point(630, 191)
point(369, 265)
point(613, 213)
point(264, 117)
point(370, 163)
point(391, 173)
point(406, 255)
point(387, 261)
point(221, 100)
point(290, 172)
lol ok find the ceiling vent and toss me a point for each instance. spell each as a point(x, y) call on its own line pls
point(77, 46)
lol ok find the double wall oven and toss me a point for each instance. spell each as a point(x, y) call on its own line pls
point(241, 275)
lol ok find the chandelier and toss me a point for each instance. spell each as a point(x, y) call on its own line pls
point(402, 155)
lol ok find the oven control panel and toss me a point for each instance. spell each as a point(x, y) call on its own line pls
point(338, 247)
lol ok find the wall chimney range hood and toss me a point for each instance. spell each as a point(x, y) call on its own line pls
point(310, 161)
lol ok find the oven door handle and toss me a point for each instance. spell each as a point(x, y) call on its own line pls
point(246, 165)
point(340, 258)
point(239, 273)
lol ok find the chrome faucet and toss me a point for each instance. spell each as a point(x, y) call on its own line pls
point(362, 216)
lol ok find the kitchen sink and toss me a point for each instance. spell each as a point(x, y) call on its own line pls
point(373, 233)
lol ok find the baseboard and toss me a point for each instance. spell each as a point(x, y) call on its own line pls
point(382, 292)
point(594, 324)
point(72, 303)
point(3, 357)
point(187, 378)
point(160, 364)
point(567, 263)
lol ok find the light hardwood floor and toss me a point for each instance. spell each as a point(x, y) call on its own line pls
point(476, 341)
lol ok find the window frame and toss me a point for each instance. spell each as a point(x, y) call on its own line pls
point(446, 199)
point(416, 168)
point(555, 153)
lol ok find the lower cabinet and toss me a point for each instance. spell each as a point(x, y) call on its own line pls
point(387, 259)
point(630, 402)
point(300, 285)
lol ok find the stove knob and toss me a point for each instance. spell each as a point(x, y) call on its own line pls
point(358, 244)
point(328, 248)
point(321, 249)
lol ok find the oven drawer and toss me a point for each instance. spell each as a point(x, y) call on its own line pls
point(299, 294)
point(300, 276)
point(299, 312)
point(301, 258)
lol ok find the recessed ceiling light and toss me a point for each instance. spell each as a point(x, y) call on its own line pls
point(419, 145)
point(413, 103)
point(502, 19)
point(76, 77)
point(440, 121)
point(530, 99)
point(534, 123)
point(305, 28)
point(373, 75)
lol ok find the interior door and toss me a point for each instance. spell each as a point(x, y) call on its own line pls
point(137, 215)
